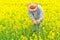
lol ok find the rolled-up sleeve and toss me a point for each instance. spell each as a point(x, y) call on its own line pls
point(31, 15)
point(41, 13)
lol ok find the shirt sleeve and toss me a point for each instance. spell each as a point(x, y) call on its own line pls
point(41, 12)
point(31, 15)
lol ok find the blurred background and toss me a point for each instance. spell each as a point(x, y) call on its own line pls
point(15, 22)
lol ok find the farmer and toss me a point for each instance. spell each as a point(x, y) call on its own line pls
point(36, 14)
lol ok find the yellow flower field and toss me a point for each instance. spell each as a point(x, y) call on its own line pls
point(15, 22)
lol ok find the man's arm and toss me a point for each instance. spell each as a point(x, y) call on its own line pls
point(32, 17)
point(41, 13)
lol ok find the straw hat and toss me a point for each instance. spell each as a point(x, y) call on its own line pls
point(32, 7)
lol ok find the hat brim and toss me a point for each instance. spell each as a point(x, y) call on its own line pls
point(32, 8)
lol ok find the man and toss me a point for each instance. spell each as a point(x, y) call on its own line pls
point(36, 14)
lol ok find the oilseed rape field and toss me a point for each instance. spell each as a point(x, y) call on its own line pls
point(16, 24)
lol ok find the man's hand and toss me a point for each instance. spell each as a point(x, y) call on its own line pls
point(37, 21)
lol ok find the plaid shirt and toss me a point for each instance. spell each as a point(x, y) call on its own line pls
point(37, 14)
